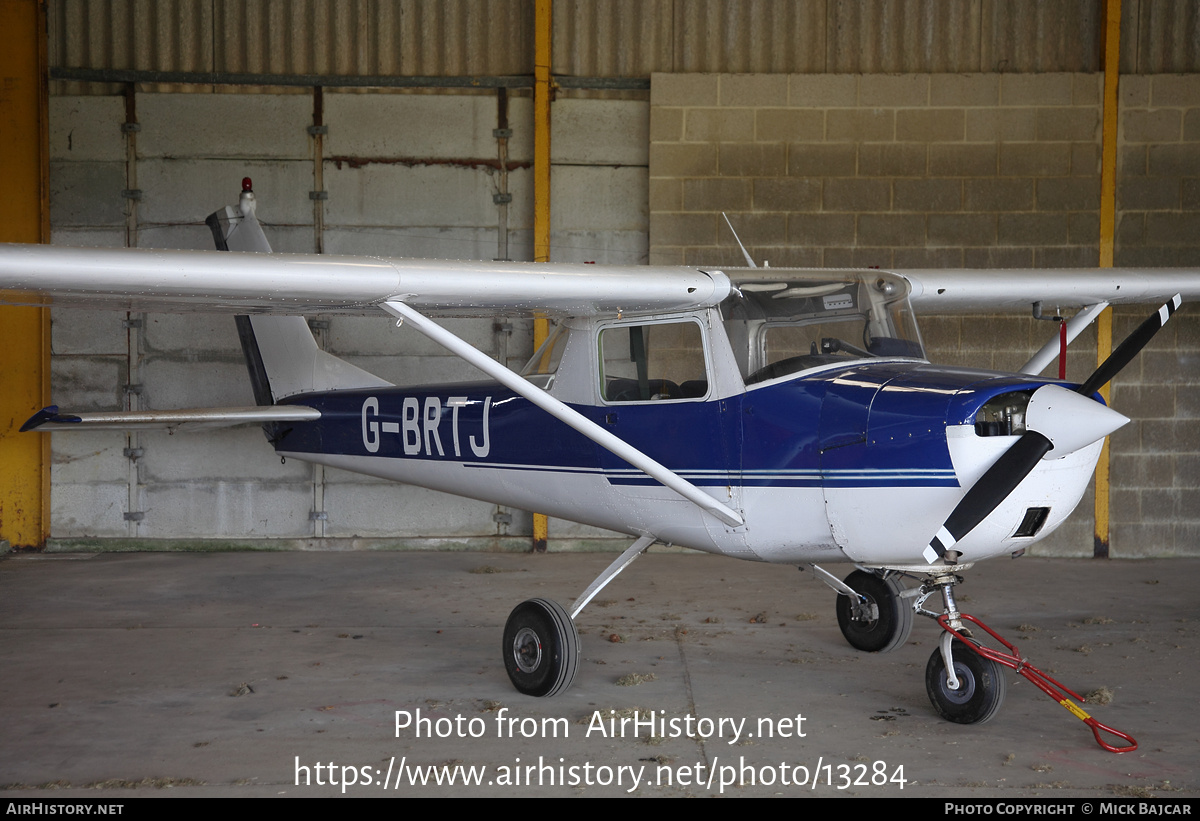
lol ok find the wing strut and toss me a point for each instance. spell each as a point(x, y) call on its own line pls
point(563, 413)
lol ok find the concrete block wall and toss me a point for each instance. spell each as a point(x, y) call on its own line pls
point(406, 175)
point(1159, 162)
point(1156, 458)
point(976, 171)
point(915, 170)
point(1157, 500)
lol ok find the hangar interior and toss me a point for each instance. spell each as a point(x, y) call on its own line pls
point(891, 133)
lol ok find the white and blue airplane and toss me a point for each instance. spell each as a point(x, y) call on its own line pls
point(784, 416)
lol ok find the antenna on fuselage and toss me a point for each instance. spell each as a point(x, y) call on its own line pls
point(745, 253)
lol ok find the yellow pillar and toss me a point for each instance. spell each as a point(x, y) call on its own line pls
point(24, 217)
point(541, 186)
point(541, 132)
point(1108, 222)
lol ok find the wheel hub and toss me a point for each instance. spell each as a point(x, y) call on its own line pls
point(966, 685)
point(865, 611)
point(527, 650)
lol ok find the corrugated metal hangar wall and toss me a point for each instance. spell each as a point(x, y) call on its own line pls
point(883, 132)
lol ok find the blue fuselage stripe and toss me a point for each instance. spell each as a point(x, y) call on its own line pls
point(871, 425)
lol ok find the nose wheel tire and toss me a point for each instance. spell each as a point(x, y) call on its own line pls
point(981, 686)
point(880, 624)
point(541, 648)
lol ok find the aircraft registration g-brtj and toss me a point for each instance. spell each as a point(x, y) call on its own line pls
point(785, 416)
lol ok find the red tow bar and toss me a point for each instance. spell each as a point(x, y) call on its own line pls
point(1045, 683)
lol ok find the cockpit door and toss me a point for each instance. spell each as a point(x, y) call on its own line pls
point(656, 393)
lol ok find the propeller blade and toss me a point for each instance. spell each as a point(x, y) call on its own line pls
point(1130, 347)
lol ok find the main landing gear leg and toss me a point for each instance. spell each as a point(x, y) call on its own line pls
point(541, 644)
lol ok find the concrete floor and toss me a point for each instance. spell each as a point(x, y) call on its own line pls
point(220, 674)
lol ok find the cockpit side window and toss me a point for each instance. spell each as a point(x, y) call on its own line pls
point(659, 361)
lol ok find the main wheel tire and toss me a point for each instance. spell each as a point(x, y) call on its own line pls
point(885, 633)
point(981, 686)
point(541, 648)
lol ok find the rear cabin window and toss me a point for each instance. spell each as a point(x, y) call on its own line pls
point(652, 363)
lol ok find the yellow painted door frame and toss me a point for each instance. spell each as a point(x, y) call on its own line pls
point(24, 217)
point(1108, 221)
point(541, 187)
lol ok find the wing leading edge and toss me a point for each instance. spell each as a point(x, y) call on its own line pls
point(938, 290)
point(185, 281)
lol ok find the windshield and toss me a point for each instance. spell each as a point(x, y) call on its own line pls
point(781, 323)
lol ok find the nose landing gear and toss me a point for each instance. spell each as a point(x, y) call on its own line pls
point(973, 694)
point(964, 680)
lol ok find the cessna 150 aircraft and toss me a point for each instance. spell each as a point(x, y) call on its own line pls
point(785, 416)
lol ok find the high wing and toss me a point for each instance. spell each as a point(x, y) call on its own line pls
point(949, 290)
point(205, 281)
point(944, 290)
